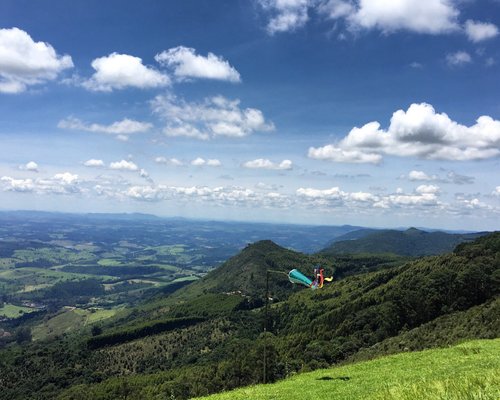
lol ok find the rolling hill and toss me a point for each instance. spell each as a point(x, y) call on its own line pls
point(412, 242)
point(207, 337)
point(468, 371)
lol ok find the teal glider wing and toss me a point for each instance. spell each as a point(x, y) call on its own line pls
point(295, 276)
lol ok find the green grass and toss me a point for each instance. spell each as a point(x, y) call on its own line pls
point(12, 311)
point(467, 371)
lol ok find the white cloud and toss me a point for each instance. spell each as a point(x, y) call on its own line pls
point(423, 189)
point(24, 62)
point(419, 132)
point(496, 192)
point(479, 31)
point(176, 162)
point(431, 16)
point(94, 163)
point(66, 178)
point(199, 162)
point(121, 129)
point(124, 165)
point(459, 58)
point(172, 161)
point(17, 185)
point(287, 15)
point(336, 154)
point(187, 64)
point(29, 166)
point(214, 163)
point(119, 71)
point(261, 163)
point(420, 176)
point(61, 183)
point(214, 117)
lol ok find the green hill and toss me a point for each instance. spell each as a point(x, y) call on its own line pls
point(468, 371)
point(207, 337)
point(412, 242)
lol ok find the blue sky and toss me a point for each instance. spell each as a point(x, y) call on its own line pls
point(377, 113)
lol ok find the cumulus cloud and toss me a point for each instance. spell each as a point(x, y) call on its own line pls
point(200, 162)
point(261, 163)
point(459, 58)
point(418, 132)
point(450, 177)
point(29, 166)
point(213, 117)
point(496, 192)
point(171, 161)
point(94, 163)
point(119, 71)
point(124, 165)
point(121, 129)
point(429, 17)
point(24, 62)
point(286, 15)
point(17, 185)
point(187, 64)
point(479, 31)
point(420, 176)
point(61, 183)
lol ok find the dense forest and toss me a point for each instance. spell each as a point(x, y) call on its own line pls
point(207, 336)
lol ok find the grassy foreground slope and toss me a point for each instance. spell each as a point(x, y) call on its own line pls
point(468, 371)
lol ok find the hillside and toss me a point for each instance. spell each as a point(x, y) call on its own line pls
point(205, 338)
point(412, 242)
point(467, 371)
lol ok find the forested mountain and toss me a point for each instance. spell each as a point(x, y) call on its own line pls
point(412, 242)
point(207, 337)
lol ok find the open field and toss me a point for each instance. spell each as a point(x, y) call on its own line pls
point(467, 371)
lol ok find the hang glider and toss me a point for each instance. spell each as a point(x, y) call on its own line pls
point(295, 276)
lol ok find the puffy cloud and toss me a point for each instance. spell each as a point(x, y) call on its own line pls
point(187, 64)
point(199, 162)
point(17, 185)
point(418, 132)
point(24, 62)
point(479, 31)
point(287, 15)
point(458, 58)
point(172, 161)
point(61, 183)
point(337, 198)
point(122, 129)
point(261, 163)
point(336, 154)
point(431, 17)
point(420, 176)
point(496, 192)
point(214, 117)
point(123, 165)
point(119, 71)
point(66, 178)
point(29, 166)
point(94, 163)
point(423, 189)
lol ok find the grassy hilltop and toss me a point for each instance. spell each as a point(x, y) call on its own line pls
point(468, 371)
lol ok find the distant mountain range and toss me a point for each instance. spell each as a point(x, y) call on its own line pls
point(411, 242)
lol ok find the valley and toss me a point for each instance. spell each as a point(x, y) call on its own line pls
point(116, 315)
